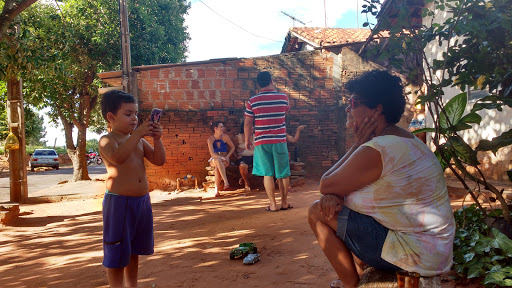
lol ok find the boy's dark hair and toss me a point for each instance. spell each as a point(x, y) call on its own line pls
point(264, 78)
point(380, 87)
point(216, 124)
point(112, 100)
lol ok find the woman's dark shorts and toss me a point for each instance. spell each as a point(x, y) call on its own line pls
point(364, 237)
point(245, 159)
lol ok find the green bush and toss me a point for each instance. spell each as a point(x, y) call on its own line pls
point(477, 255)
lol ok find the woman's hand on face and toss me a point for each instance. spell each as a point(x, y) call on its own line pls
point(330, 205)
point(365, 131)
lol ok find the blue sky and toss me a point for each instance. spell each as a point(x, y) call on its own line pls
point(242, 28)
point(231, 28)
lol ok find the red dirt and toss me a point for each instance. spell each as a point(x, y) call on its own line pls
point(59, 244)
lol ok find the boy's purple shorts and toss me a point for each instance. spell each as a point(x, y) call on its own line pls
point(127, 228)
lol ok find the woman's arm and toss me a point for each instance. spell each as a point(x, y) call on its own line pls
point(230, 144)
point(362, 168)
point(210, 147)
point(294, 139)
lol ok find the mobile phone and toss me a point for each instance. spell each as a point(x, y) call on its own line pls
point(155, 115)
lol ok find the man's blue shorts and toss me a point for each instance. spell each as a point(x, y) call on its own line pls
point(127, 228)
point(271, 160)
point(364, 237)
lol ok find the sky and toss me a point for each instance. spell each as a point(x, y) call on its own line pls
point(242, 28)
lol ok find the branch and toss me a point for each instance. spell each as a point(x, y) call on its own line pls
point(10, 11)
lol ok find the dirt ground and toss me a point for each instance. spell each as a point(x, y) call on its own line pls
point(59, 244)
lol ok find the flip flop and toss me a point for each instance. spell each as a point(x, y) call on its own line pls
point(270, 210)
point(287, 208)
point(336, 284)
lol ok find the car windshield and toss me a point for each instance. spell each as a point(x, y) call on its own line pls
point(45, 153)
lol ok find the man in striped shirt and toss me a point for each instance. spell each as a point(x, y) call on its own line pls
point(265, 112)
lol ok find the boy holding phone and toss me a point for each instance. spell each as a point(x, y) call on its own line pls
point(127, 212)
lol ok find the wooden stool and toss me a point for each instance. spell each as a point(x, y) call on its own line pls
point(373, 278)
point(188, 178)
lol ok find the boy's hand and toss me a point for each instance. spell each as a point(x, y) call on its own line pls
point(144, 129)
point(157, 130)
point(301, 127)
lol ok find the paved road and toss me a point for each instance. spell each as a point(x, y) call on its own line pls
point(40, 180)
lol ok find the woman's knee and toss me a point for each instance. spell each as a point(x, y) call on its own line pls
point(314, 212)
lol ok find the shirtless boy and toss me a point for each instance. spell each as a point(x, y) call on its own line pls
point(127, 213)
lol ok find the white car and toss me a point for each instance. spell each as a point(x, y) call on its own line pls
point(44, 158)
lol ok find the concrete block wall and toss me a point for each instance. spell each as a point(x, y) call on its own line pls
point(193, 95)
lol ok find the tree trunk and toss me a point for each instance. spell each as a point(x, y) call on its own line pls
point(79, 164)
point(16, 121)
point(76, 155)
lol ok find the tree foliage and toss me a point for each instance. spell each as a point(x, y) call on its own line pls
point(11, 9)
point(60, 47)
point(157, 31)
point(34, 128)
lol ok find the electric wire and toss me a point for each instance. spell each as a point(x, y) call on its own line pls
point(237, 24)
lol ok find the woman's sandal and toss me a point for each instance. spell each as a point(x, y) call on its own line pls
point(336, 284)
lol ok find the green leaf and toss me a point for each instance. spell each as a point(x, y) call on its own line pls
point(503, 242)
point(496, 143)
point(463, 150)
point(423, 130)
point(494, 278)
point(443, 163)
point(471, 117)
point(454, 110)
point(475, 270)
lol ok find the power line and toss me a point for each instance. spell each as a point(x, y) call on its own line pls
point(237, 24)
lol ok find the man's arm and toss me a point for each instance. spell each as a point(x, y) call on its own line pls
point(248, 128)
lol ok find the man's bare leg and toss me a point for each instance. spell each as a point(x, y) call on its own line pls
point(284, 184)
point(244, 171)
point(115, 277)
point(131, 271)
point(268, 182)
point(337, 253)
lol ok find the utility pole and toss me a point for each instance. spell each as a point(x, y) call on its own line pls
point(125, 46)
point(293, 18)
point(325, 15)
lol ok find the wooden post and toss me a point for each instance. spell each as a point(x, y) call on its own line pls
point(125, 46)
point(15, 119)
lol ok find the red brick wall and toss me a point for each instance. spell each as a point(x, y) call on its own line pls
point(193, 95)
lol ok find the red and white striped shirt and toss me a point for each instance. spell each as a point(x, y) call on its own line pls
point(268, 109)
